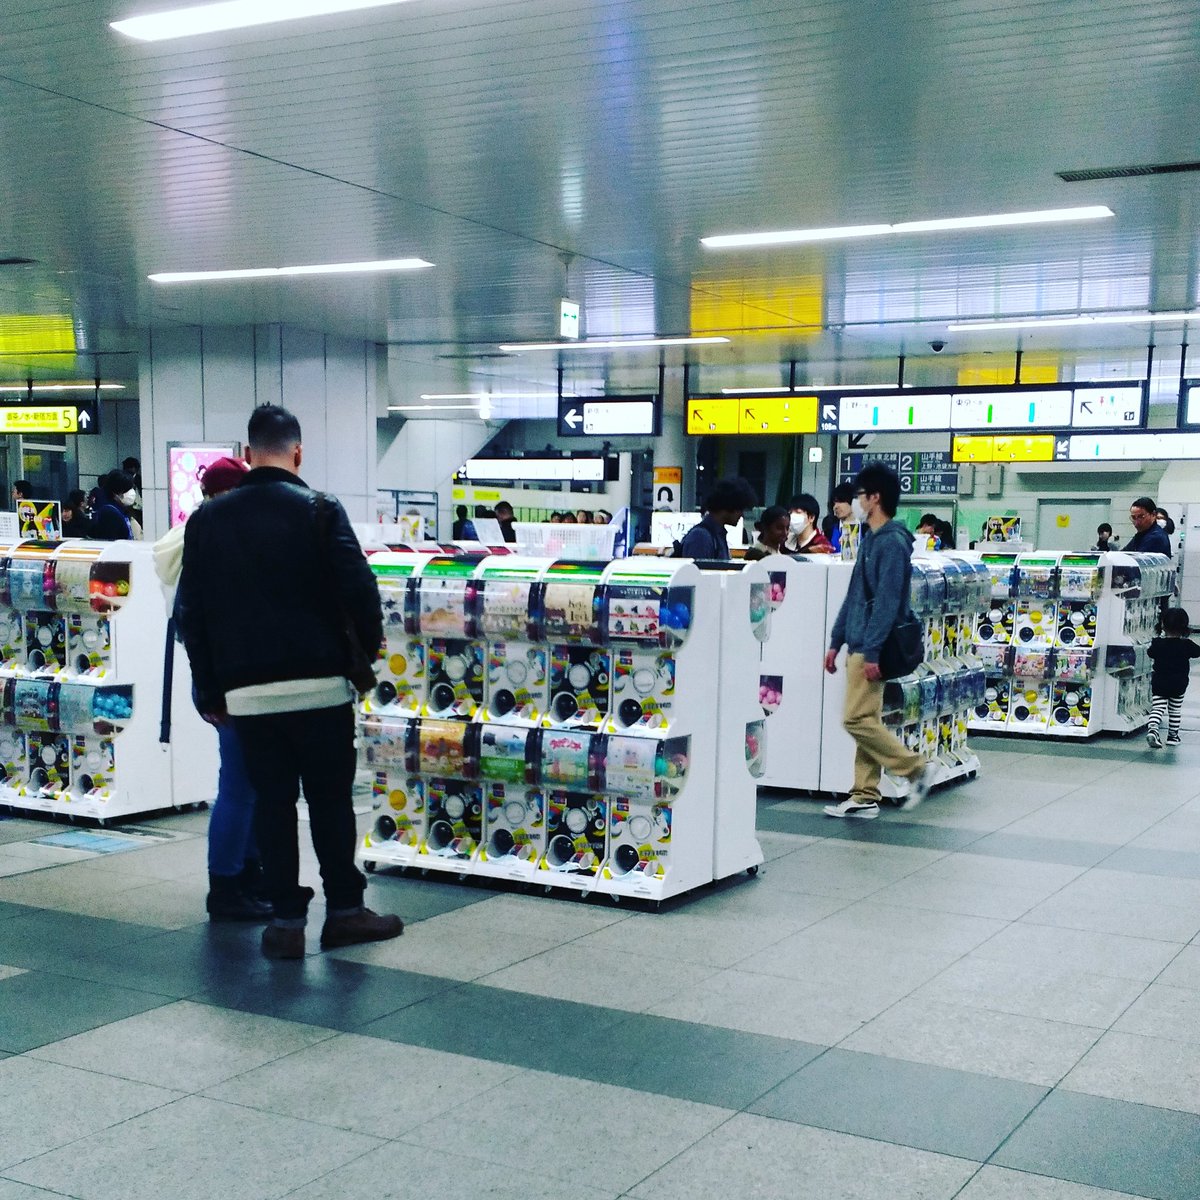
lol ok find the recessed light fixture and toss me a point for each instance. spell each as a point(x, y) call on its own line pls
point(233, 14)
point(481, 396)
point(784, 237)
point(800, 389)
point(431, 408)
point(613, 343)
point(349, 268)
point(23, 388)
point(1064, 322)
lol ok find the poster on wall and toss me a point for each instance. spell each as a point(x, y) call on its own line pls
point(1003, 529)
point(186, 464)
point(40, 519)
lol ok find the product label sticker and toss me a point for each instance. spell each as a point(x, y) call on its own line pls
point(441, 748)
point(72, 586)
point(571, 611)
point(631, 766)
point(502, 753)
point(566, 759)
point(635, 614)
point(505, 608)
point(109, 586)
point(443, 610)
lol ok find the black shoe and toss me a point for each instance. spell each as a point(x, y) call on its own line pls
point(252, 880)
point(228, 902)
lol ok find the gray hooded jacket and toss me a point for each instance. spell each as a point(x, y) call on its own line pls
point(879, 591)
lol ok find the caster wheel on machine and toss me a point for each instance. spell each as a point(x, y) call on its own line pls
point(752, 871)
point(370, 865)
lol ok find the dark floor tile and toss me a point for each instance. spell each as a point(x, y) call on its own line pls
point(179, 963)
point(501, 1026)
point(41, 937)
point(37, 1008)
point(324, 991)
point(912, 1104)
point(1109, 1144)
point(703, 1063)
point(417, 898)
point(890, 830)
point(1178, 864)
point(1036, 849)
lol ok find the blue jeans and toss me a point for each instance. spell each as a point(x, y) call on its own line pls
point(231, 823)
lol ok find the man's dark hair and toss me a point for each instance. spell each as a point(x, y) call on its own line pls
point(771, 514)
point(461, 512)
point(729, 494)
point(131, 465)
point(1145, 504)
point(503, 508)
point(806, 504)
point(1104, 527)
point(272, 429)
point(76, 497)
point(842, 494)
point(116, 483)
point(1175, 621)
point(877, 479)
point(931, 519)
point(24, 487)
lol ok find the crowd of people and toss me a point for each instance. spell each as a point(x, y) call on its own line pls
point(110, 512)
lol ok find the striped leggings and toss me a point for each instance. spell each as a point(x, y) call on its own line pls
point(1172, 709)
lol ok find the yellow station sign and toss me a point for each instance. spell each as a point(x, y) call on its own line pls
point(777, 414)
point(63, 419)
point(712, 416)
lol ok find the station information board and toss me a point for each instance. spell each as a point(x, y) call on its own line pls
point(610, 416)
point(1116, 447)
point(750, 415)
point(50, 418)
point(922, 472)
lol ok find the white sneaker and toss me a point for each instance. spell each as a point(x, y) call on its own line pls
point(1153, 740)
point(856, 809)
point(919, 785)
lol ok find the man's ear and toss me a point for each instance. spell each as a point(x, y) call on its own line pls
point(248, 455)
point(299, 455)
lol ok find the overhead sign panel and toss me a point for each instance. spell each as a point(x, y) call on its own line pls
point(580, 470)
point(58, 418)
point(1109, 407)
point(1114, 447)
point(1191, 402)
point(713, 416)
point(880, 414)
point(610, 416)
point(777, 414)
point(1011, 410)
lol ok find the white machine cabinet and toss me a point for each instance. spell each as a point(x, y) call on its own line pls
point(83, 634)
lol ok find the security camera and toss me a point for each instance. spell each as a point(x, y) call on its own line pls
point(937, 345)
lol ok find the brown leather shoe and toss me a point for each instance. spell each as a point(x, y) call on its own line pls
point(365, 926)
point(279, 942)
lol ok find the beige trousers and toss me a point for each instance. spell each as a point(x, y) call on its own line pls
point(876, 746)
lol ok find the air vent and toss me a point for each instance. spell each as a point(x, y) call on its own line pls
point(1090, 174)
point(17, 261)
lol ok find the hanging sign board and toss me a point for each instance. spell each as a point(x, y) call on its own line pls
point(610, 416)
point(58, 418)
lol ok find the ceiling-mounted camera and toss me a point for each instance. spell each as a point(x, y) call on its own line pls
point(937, 345)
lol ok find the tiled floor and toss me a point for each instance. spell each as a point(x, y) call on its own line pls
point(993, 997)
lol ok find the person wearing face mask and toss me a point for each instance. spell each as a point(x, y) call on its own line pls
point(804, 534)
point(772, 529)
point(728, 500)
point(1150, 537)
point(843, 520)
point(115, 496)
point(1163, 519)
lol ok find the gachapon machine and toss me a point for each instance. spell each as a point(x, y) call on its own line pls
point(388, 749)
point(642, 778)
point(14, 763)
point(47, 749)
point(1037, 607)
point(447, 760)
point(446, 618)
point(89, 592)
point(401, 666)
point(649, 615)
point(514, 808)
point(570, 772)
point(1030, 704)
point(1071, 708)
point(933, 593)
point(991, 712)
point(93, 717)
point(518, 663)
point(32, 593)
point(571, 600)
point(12, 621)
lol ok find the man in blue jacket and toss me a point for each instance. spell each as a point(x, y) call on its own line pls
point(878, 597)
point(724, 508)
point(266, 596)
point(1150, 538)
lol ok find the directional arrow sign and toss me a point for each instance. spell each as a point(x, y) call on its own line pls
point(610, 416)
point(829, 417)
point(573, 418)
point(859, 441)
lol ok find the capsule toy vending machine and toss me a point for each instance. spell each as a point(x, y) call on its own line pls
point(1034, 629)
point(517, 689)
point(1080, 585)
point(666, 759)
point(570, 767)
point(514, 828)
point(448, 762)
point(791, 662)
point(570, 601)
point(1128, 620)
point(93, 717)
point(444, 604)
point(995, 625)
point(400, 670)
point(12, 620)
point(32, 593)
point(388, 750)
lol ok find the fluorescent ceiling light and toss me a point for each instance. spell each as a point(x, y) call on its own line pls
point(613, 343)
point(350, 268)
point(800, 389)
point(431, 408)
point(481, 396)
point(1063, 322)
point(233, 14)
point(23, 388)
point(1045, 216)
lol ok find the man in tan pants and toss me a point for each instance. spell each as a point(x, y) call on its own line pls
point(877, 598)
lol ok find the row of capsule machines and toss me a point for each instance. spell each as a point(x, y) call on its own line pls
point(557, 722)
point(1063, 640)
point(79, 692)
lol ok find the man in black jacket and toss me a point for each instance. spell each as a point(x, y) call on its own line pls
point(264, 599)
point(1150, 537)
point(726, 504)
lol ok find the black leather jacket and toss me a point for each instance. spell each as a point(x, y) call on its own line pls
point(261, 598)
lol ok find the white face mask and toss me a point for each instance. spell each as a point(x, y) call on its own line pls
point(799, 523)
point(857, 512)
point(129, 498)
point(1161, 523)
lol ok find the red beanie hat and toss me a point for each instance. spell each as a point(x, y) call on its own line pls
point(222, 476)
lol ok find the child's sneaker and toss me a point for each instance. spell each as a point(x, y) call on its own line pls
point(1173, 739)
point(1155, 742)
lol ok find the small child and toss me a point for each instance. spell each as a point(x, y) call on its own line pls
point(1172, 654)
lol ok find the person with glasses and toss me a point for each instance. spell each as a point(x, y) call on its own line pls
point(1150, 537)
